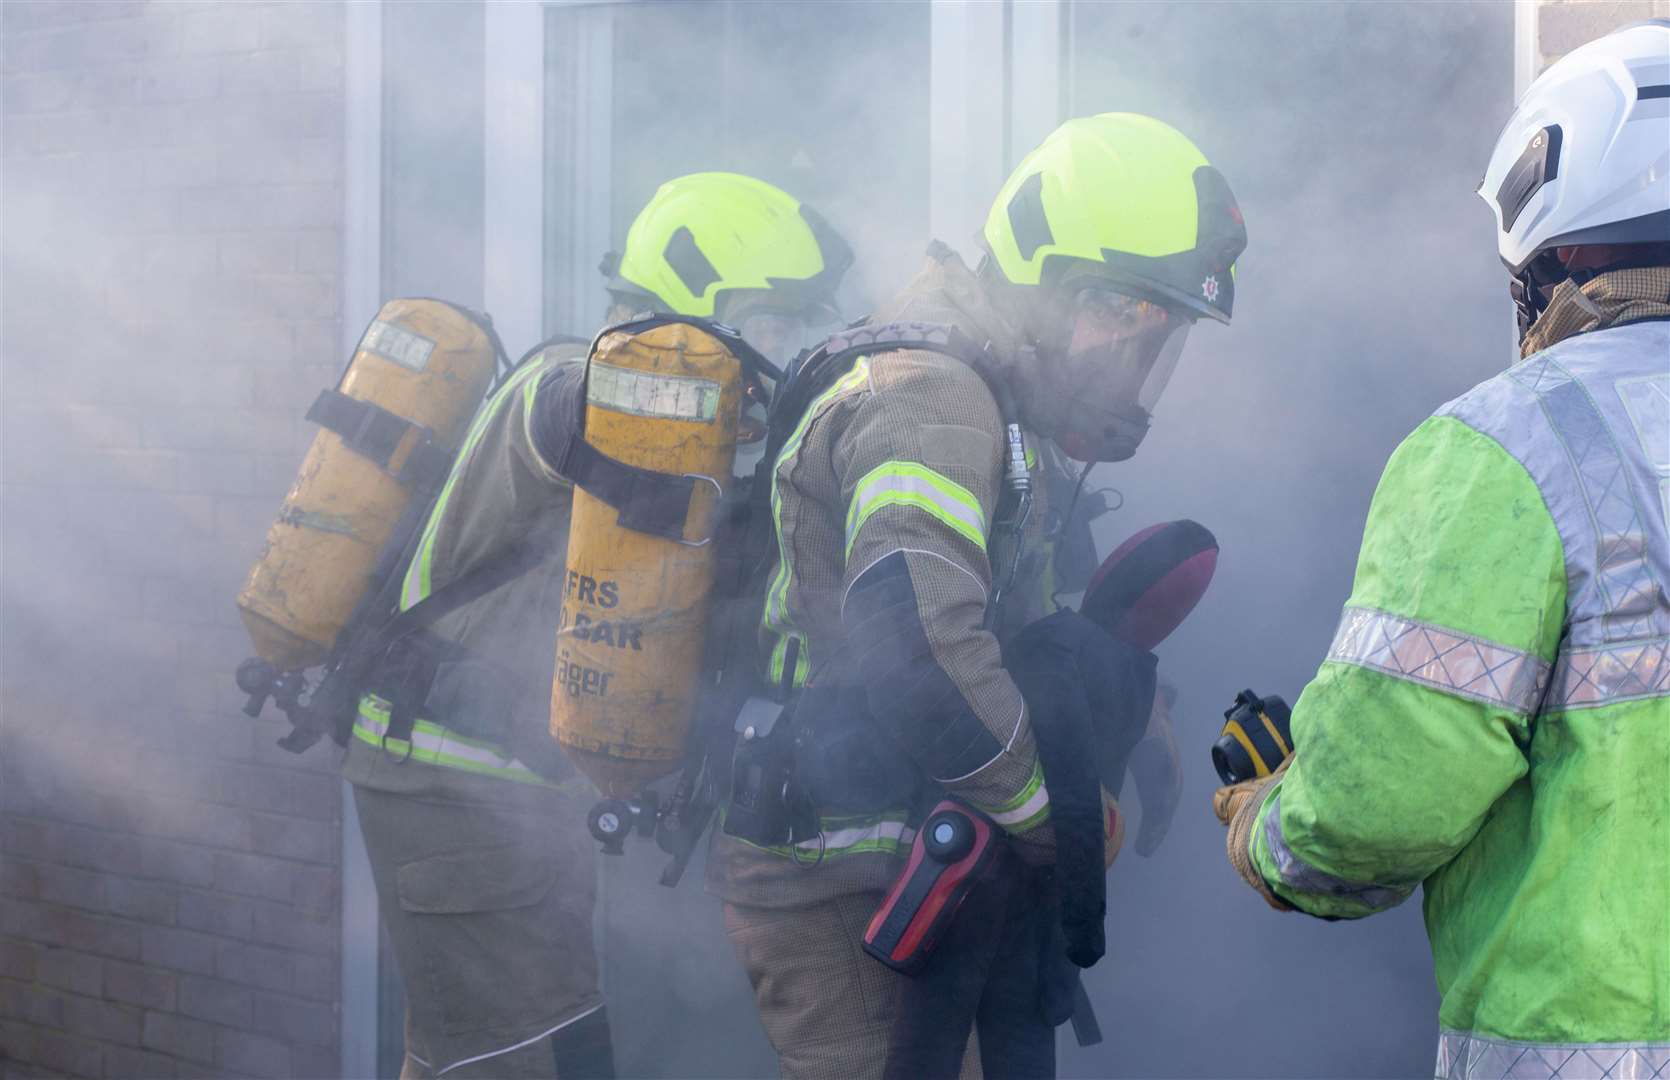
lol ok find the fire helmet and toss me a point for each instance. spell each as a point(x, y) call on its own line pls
point(707, 240)
point(1127, 199)
point(1584, 159)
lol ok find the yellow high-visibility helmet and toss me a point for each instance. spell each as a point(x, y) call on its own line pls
point(1127, 198)
point(708, 239)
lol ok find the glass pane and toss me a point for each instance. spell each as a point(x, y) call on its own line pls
point(432, 151)
point(827, 101)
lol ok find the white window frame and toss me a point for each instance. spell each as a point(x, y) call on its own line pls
point(362, 242)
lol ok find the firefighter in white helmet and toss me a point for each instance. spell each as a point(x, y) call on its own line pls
point(1490, 724)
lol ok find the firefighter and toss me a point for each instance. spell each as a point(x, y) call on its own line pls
point(471, 815)
point(893, 536)
point(1490, 721)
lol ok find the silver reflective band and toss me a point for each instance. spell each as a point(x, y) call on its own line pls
point(1647, 404)
point(1623, 572)
point(396, 343)
point(670, 397)
point(1630, 671)
point(1300, 875)
point(1443, 659)
point(1464, 1056)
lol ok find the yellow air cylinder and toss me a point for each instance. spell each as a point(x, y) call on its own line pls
point(422, 360)
point(634, 615)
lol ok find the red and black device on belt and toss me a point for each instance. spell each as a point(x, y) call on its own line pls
point(952, 850)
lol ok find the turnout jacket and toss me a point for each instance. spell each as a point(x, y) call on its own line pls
point(1493, 717)
point(483, 734)
point(883, 501)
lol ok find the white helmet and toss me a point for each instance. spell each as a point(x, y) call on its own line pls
point(1585, 158)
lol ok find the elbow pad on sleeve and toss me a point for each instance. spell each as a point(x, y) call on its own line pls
point(909, 694)
point(558, 410)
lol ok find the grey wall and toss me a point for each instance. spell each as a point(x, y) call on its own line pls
point(172, 205)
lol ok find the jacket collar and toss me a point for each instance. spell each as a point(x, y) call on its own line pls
point(1608, 299)
point(945, 290)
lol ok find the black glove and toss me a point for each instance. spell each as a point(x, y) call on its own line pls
point(1089, 697)
point(1053, 662)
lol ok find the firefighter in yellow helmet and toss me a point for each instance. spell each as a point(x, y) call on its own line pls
point(917, 516)
point(472, 817)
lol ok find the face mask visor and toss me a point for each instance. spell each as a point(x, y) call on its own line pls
point(1123, 350)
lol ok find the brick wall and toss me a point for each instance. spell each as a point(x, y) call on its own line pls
point(1563, 25)
point(171, 280)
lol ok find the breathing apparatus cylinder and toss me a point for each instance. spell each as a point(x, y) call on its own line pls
point(389, 428)
point(632, 631)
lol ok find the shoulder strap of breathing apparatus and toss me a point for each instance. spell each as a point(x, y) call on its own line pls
point(813, 373)
point(767, 806)
point(654, 503)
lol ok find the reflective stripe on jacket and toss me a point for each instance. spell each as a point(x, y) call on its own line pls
point(899, 457)
point(500, 492)
point(1493, 718)
point(432, 744)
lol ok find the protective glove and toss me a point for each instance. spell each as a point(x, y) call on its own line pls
point(1158, 770)
point(1237, 806)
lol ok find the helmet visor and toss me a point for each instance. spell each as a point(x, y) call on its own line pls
point(1123, 350)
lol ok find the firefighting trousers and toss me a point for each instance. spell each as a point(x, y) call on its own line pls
point(489, 912)
point(827, 1006)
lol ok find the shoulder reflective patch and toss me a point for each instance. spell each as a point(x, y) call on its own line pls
point(643, 393)
point(1445, 660)
point(1623, 574)
point(396, 343)
point(1647, 403)
point(1301, 876)
point(1608, 674)
point(905, 483)
point(1463, 1055)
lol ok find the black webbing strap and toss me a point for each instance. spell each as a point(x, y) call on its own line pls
point(649, 502)
point(374, 433)
point(475, 583)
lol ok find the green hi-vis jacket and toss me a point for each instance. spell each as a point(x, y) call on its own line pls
point(1493, 718)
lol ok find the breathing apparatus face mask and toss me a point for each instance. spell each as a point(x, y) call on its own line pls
point(1118, 355)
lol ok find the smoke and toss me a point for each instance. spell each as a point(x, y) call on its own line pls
point(1353, 135)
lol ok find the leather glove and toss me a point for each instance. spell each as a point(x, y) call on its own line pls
point(1157, 769)
point(1237, 806)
